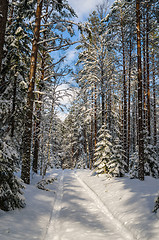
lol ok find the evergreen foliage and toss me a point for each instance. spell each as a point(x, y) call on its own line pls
point(103, 151)
point(10, 185)
point(151, 167)
point(117, 164)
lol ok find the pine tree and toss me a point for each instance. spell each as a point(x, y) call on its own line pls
point(140, 121)
point(25, 173)
point(3, 20)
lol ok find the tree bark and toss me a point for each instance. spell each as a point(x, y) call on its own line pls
point(13, 106)
point(144, 70)
point(140, 119)
point(148, 72)
point(95, 117)
point(129, 94)
point(25, 172)
point(124, 99)
point(133, 126)
point(154, 99)
point(47, 150)
point(38, 120)
point(91, 139)
point(102, 93)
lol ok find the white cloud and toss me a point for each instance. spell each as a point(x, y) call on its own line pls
point(84, 7)
point(71, 55)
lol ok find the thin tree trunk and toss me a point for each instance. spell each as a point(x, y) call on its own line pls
point(15, 80)
point(148, 72)
point(47, 152)
point(42, 149)
point(25, 172)
point(102, 95)
point(38, 119)
point(124, 99)
point(140, 119)
point(144, 70)
point(91, 143)
point(133, 126)
point(95, 117)
point(136, 117)
point(129, 94)
point(109, 107)
point(86, 139)
point(154, 99)
point(13, 106)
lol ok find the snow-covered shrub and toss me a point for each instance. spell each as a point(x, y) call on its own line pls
point(133, 167)
point(156, 207)
point(151, 166)
point(10, 185)
point(42, 184)
point(80, 163)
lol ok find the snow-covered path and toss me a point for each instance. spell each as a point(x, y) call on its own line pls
point(79, 214)
point(84, 206)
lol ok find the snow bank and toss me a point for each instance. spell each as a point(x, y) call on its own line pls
point(30, 222)
point(131, 201)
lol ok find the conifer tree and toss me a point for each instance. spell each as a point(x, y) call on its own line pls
point(3, 20)
point(140, 121)
point(103, 151)
point(25, 173)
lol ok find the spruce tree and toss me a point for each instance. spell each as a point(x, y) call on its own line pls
point(103, 151)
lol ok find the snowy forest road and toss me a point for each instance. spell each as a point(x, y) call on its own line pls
point(79, 214)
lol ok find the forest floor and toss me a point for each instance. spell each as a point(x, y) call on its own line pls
point(80, 205)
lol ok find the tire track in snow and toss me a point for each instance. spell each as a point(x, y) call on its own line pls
point(52, 231)
point(119, 226)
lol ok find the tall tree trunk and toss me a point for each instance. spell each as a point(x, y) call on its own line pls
point(144, 69)
point(140, 119)
point(102, 95)
point(91, 139)
point(25, 172)
point(124, 99)
point(95, 117)
point(154, 99)
point(133, 125)
point(86, 138)
point(148, 73)
point(129, 94)
point(3, 20)
point(13, 105)
point(109, 119)
point(38, 119)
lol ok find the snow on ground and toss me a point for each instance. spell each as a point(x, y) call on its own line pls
point(131, 201)
point(82, 206)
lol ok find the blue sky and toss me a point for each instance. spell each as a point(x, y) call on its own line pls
point(82, 8)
